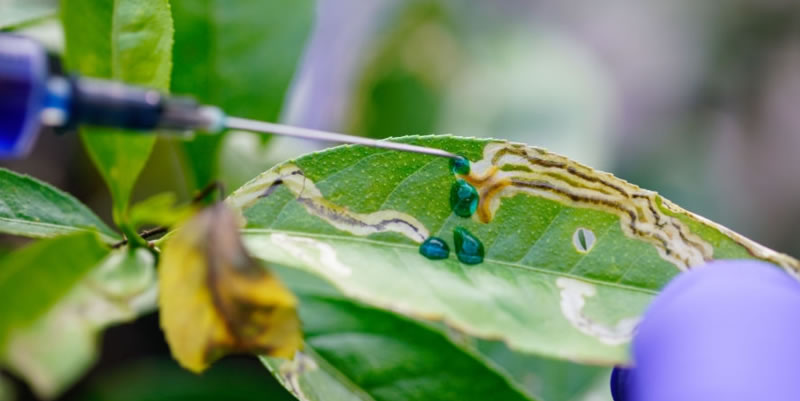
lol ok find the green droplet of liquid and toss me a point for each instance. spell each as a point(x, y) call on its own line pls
point(434, 248)
point(459, 166)
point(463, 198)
point(469, 249)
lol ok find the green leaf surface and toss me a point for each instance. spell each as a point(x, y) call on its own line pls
point(126, 40)
point(160, 210)
point(119, 288)
point(356, 216)
point(32, 208)
point(354, 352)
point(161, 379)
point(7, 390)
point(34, 278)
point(401, 90)
point(240, 55)
point(548, 379)
point(21, 12)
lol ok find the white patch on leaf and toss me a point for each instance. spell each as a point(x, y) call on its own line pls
point(311, 252)
point(290, 372)
point(573, 300)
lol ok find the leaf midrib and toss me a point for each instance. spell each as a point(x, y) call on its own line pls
point(387, 244)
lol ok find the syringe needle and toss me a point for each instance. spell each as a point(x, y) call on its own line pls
point(307, 133)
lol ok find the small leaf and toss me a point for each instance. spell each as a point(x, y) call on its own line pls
point(240, 55)
point(160, 209)
point(120, 288)
point(215, 299)
point(357, 216)
point(354, 352)
point(31, 208)
point(127, 40)
point(34, 278)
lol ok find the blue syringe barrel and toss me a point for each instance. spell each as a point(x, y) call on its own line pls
point(112, 104)
point(105, 103)
point(23, 77)
point(32, 97)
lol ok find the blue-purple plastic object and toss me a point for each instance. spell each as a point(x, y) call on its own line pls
point(23, 77)
point(727, 331)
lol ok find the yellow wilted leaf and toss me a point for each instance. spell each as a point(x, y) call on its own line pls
point(215, 299)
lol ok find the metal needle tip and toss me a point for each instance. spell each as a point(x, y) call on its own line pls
point(307, 133)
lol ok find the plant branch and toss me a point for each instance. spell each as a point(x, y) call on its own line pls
point(197, 198)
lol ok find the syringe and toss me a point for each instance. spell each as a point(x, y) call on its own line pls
point(33, 95)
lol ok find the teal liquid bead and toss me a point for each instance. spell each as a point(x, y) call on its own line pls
point(459, 166)
point(469, 249)
point(434, 248)
point(463, 198)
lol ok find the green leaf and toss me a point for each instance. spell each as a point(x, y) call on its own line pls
point(161, 379)
point(34, 278)
point(127, 40)
point(160, 209)
point(402, 90)
point(240, 55)
point(7, 389)
point(22, 12)
point(548, 379)
point(31, 208)
point(118, 289)
point(356, 216)
point(354, 352)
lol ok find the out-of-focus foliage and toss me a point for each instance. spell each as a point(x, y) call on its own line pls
point(401, 91)
point(432, 72)
point(119, 288)
point(130, 41)
point(31, 208)
point(237, 54)
point(21, 12)
point(7, 390)
point(32, 292)
point(160, 379)
point(51, 289)
point(548, 379)
point(160, 210)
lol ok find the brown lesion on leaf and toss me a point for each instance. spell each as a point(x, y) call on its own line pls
point(216, 299)
point(306, 193)
point(558, 178)
point(643, 214)
point(290, 373)
point(790, 264)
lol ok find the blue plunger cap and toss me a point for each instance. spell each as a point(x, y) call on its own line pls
point(23, 80)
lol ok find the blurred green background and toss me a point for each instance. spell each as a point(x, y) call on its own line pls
point(694, 99)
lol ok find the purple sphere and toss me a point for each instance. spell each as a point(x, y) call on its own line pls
point(729, 330)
